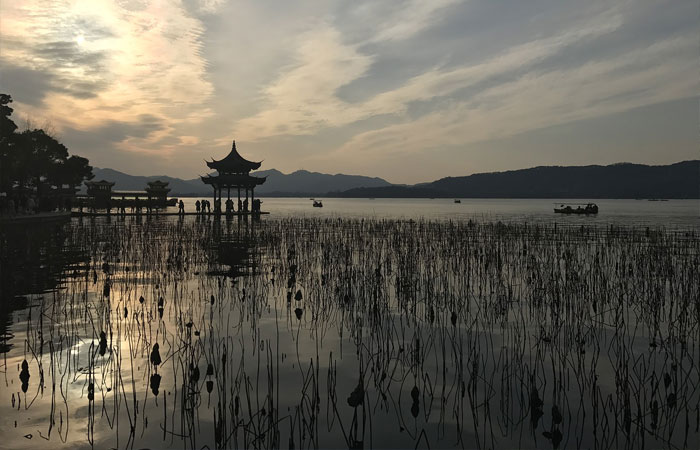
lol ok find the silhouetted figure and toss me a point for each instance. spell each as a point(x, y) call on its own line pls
point(182, 207)
point(24, 376)
point(155, 355)
point(229, 206)
point(155, 383)
point(196, 206)
point(245, 205)
point(103, 343)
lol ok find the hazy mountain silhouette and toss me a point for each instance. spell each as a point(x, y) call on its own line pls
point(126, 182)
point(312, 183)
point(301, 182)
point(622, 180)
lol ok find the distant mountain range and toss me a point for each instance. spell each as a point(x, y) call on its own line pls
point(623, 180)
point(299, 183)
point(304, 183)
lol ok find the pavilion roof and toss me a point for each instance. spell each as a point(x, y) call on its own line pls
point(233, 163)
point(158, 183)
point(99, 183)
point(233, 180)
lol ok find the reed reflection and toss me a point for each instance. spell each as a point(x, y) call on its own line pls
point(202, 331)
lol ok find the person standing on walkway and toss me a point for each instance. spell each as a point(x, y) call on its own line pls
point(196, 205)
point(182, 207)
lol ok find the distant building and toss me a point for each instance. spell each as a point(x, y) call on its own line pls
point(101, 195)
point(157, 193)
point(100, 192)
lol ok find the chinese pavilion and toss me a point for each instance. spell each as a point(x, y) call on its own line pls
point(100, 191)
point(234, 172)
point(157, 192)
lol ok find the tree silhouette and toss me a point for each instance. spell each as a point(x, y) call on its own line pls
point(34, 159)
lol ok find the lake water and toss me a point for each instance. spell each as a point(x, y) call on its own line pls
point(329, 328)
point(671, 213)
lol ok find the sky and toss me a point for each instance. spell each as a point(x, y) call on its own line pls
point(410, 91)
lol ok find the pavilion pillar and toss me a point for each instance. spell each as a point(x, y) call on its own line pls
point(252, 198)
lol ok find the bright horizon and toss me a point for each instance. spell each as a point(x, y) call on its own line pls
point(407, 91)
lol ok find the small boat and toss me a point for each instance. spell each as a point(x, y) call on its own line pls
point(458, 201)
point(318, 204)
point(590, 208)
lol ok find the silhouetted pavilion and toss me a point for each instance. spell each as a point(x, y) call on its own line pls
point(234, 172)
point(157, 192)
point(100, 191)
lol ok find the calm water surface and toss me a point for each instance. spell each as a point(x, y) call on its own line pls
point(301, 330)
point(670, 213)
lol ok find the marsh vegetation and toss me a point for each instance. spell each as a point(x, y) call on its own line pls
point(204, 333)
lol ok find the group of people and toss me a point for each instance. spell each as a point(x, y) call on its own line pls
point(119, 205)
point(203, 206)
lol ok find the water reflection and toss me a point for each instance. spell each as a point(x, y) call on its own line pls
point(233, 248)
point(235, 333)
point(35, 258)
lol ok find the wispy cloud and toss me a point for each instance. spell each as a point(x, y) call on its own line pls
point(304, 99)
point(317, 83)
point(540, 99)
point(110, 62)
point(411, 17)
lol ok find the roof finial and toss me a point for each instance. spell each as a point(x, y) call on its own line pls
point(233, 147)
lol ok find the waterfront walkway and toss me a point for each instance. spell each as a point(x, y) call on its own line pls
point(34, 218)
point(160, 213)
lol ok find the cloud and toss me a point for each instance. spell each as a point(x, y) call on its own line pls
point(304, 99)
point(411, 17)
point(540, 99)
point(317, 83)
point(102, 63)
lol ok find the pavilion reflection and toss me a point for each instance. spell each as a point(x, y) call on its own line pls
point(234, 248)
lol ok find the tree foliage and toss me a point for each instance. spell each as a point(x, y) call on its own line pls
point(33, 157)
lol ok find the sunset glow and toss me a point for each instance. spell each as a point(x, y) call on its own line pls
point(357, 87)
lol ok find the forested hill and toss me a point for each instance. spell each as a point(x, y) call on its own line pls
point(623, 180)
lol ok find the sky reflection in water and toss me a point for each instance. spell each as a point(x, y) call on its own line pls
point(336, 333)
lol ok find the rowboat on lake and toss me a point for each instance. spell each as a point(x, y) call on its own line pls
point(577, 208)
